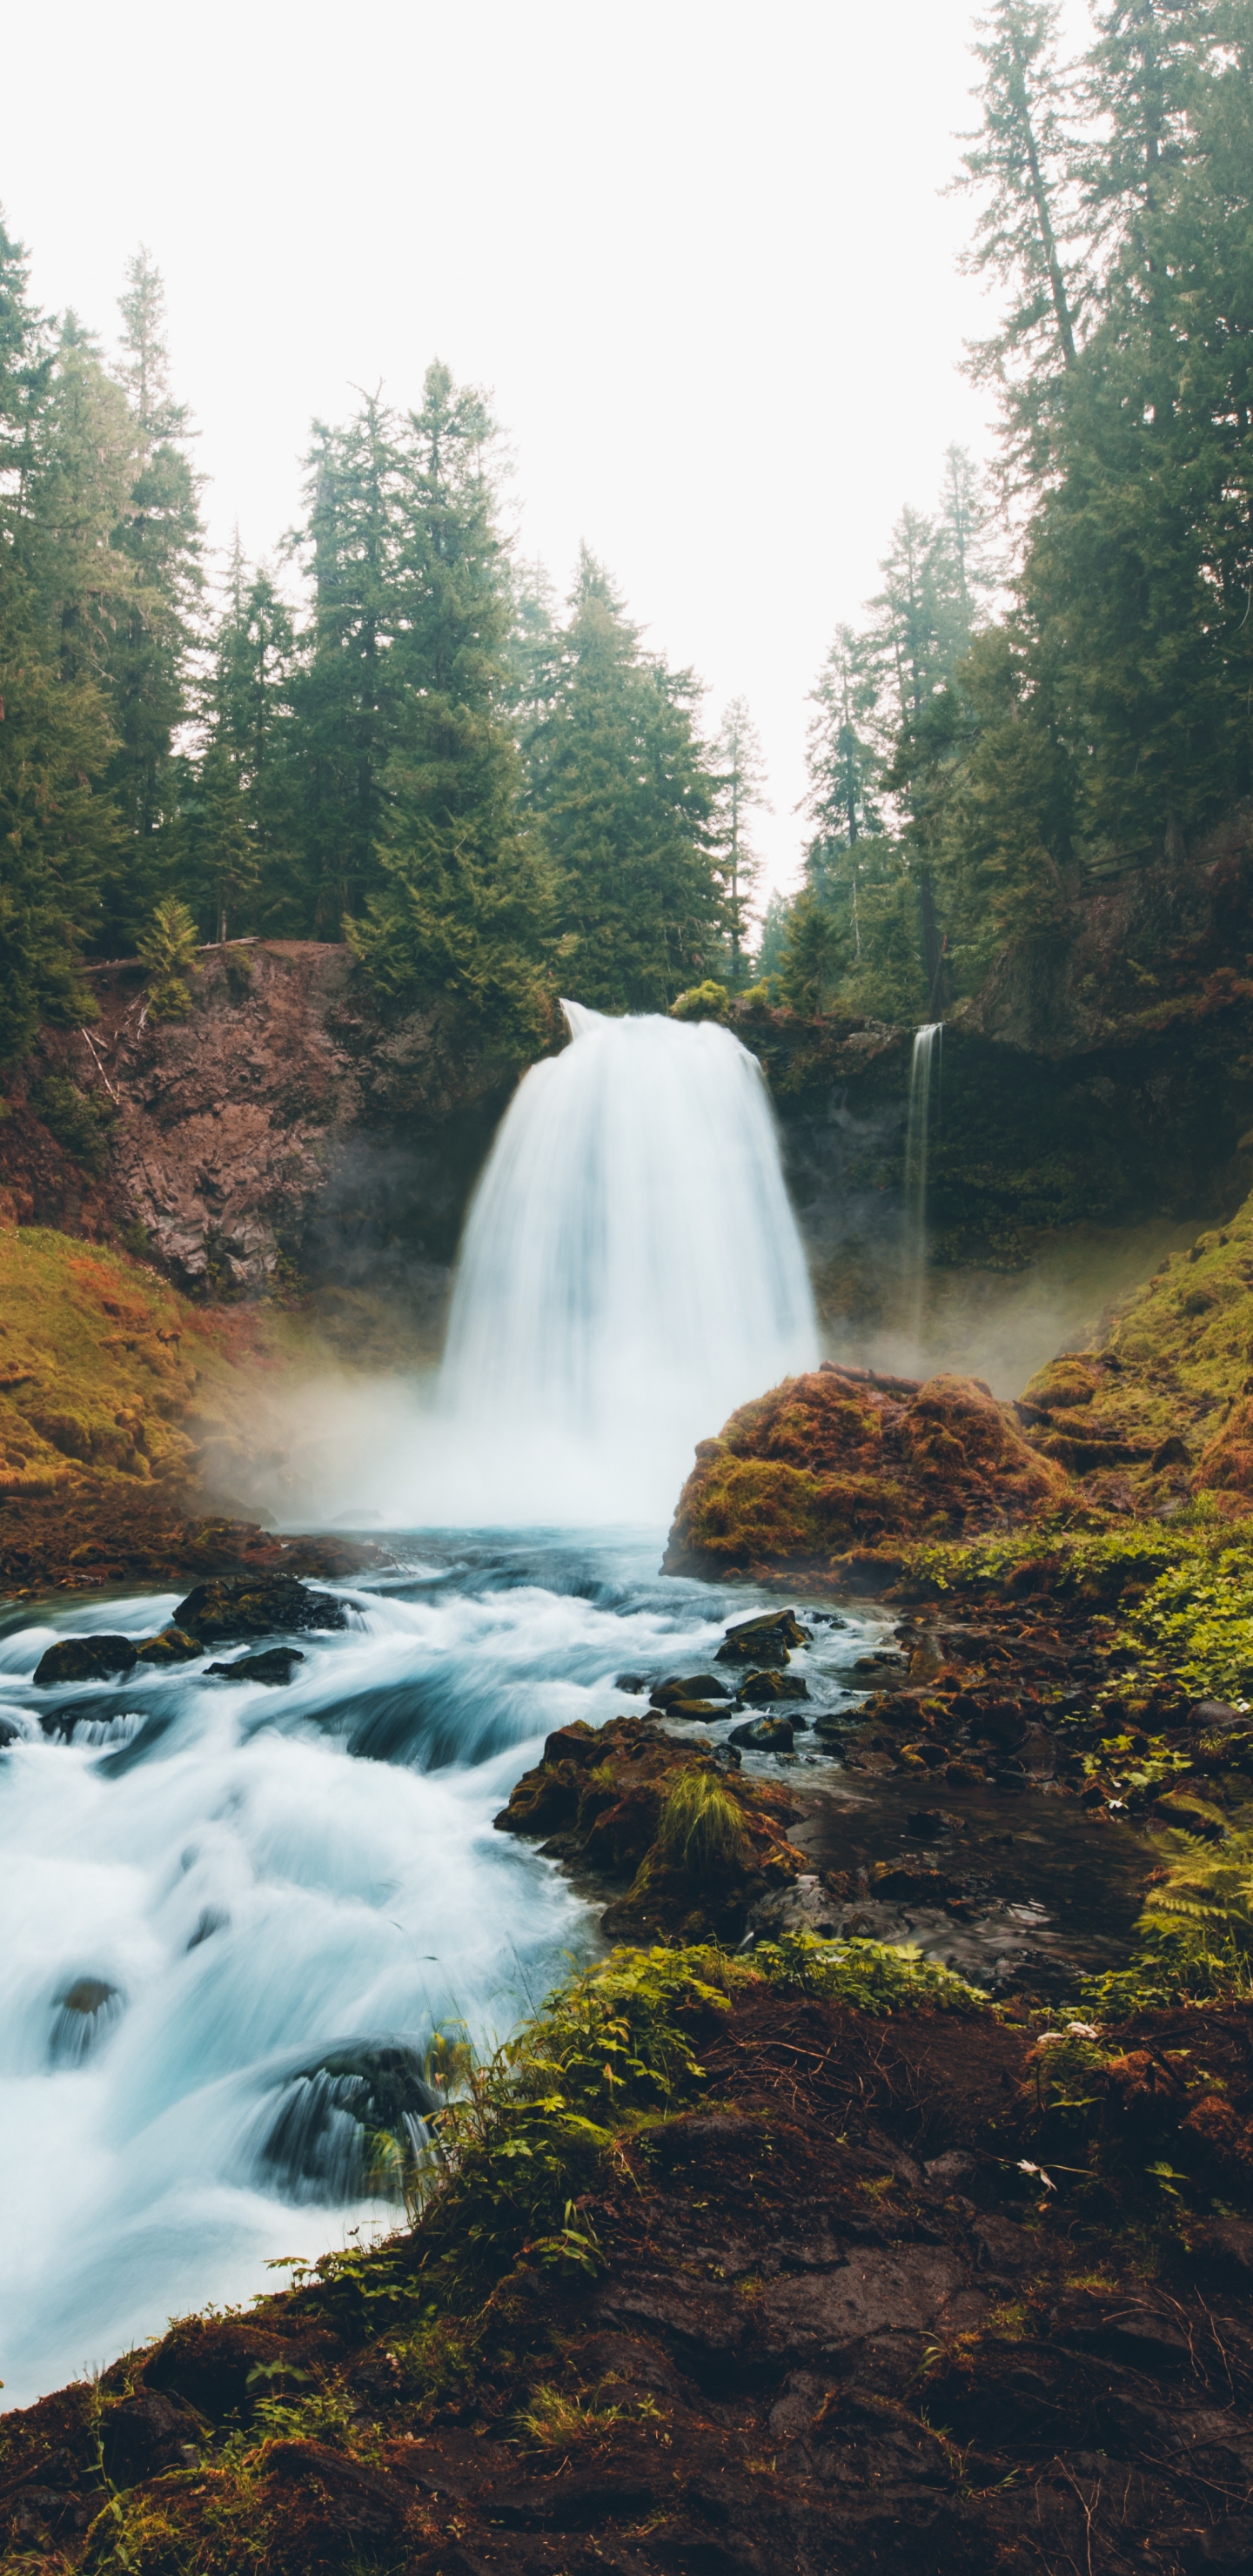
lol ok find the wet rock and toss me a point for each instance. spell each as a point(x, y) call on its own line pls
point(169, 1646)
point(927, 1824)
point(145, 2434)
point(276, 1667)
point(907, 1878)
point(698, 1711)
point(760, 1690)
point(689, 1686)
point(85, 1659)
point(329, 2509)
point(219, 2364)
point(242, 1605)
point(767, 1640)
point(764, 1735)
point(633, 1682)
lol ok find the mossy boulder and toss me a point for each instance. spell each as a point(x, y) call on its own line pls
point(244, 1605)
point(844, 1460)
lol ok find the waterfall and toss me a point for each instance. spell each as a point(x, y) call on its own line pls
point(926, 1051)
point(631, 1271)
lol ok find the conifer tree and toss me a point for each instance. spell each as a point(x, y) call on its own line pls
point(625, 796)
point(346, 697)
point(740, 780)
point(57, 830)
point(460, 906)
point(158, 534)
point(245, 788)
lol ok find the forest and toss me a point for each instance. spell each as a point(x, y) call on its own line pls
point(393, 733)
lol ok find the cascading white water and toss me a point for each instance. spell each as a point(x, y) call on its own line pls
point(631, 1270)
point(926, 1047)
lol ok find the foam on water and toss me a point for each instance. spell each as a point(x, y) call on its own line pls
point(209, 1886)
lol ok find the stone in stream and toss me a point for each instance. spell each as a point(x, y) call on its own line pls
point(85, 1659)
point(761, 1689)
point(276, 1667)
point(169, 1646)
point(766, 1640)
point(255, 1605)
point(691, 1686)
point(764, 1734)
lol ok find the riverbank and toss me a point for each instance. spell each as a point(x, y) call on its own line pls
point(787, 2263)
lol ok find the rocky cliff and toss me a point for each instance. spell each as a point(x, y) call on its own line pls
point(285, 1128)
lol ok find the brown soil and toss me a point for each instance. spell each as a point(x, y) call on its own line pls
point(840, 2319)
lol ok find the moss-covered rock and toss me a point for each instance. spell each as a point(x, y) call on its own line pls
point(842, 1459)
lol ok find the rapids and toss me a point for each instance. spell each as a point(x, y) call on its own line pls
point(207, 1889)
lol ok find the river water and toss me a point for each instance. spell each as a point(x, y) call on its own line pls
point(207, 1887)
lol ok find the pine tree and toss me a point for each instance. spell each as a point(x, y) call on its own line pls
point(57, 831)
point(346, 698)
point(158, 533)
point(625, 796)
point(1022, 164)
point(246, 785)
point(813, 958)
point(461, 908)
point(740, 792)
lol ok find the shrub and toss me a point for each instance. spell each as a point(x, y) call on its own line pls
point(700, 1828)
point(169, 949)
point(78, 1120)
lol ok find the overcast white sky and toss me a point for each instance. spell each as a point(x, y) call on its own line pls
point(697, 250)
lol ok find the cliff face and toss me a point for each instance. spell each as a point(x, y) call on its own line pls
point(284, 1125)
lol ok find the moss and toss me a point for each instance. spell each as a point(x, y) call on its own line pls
point(837, 1459)
point(79, 1120)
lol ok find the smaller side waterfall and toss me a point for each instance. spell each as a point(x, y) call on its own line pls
point(923, 1069)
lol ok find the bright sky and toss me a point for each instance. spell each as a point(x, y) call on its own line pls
point(696, 248)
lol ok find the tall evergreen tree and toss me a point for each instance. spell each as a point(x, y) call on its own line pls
point(740, 793)
point(244, 790)
point(347, 696)
point(56, 829)
point(625, 796)
point(460, 906)
point(159, 536)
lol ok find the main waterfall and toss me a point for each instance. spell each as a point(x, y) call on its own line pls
point(631, 1271)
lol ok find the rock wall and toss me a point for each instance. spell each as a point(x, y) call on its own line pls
point(285, 1128)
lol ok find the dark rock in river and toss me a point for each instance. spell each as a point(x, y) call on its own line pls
point(690, 1686)
point(244, 1605)
point(85, 1659)
point(764, 1734)
point(275, 1667)
point(169, 1646)
point(766, 1640)
point(760, 1689)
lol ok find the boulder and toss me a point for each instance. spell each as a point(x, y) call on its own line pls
point(85, 1659)
point(761, 1689)
point(764, 1734)
point(249, 1605)
point(169, 1646)
point(768, 1639)
point(834, 1464)
point(690, 1686)
point(276, 1667)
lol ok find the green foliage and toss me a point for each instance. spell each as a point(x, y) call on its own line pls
point(875, 1977)
point(625, 797)
point(169, 950)
point(1197, 1620)
point(79, 1120)
point(707, 1001)
point(813, 953)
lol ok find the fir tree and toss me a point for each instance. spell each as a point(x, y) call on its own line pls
point(346, 697)
point(461, 909)
point(740, 772)
point(158, 534)
point(626, 797)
